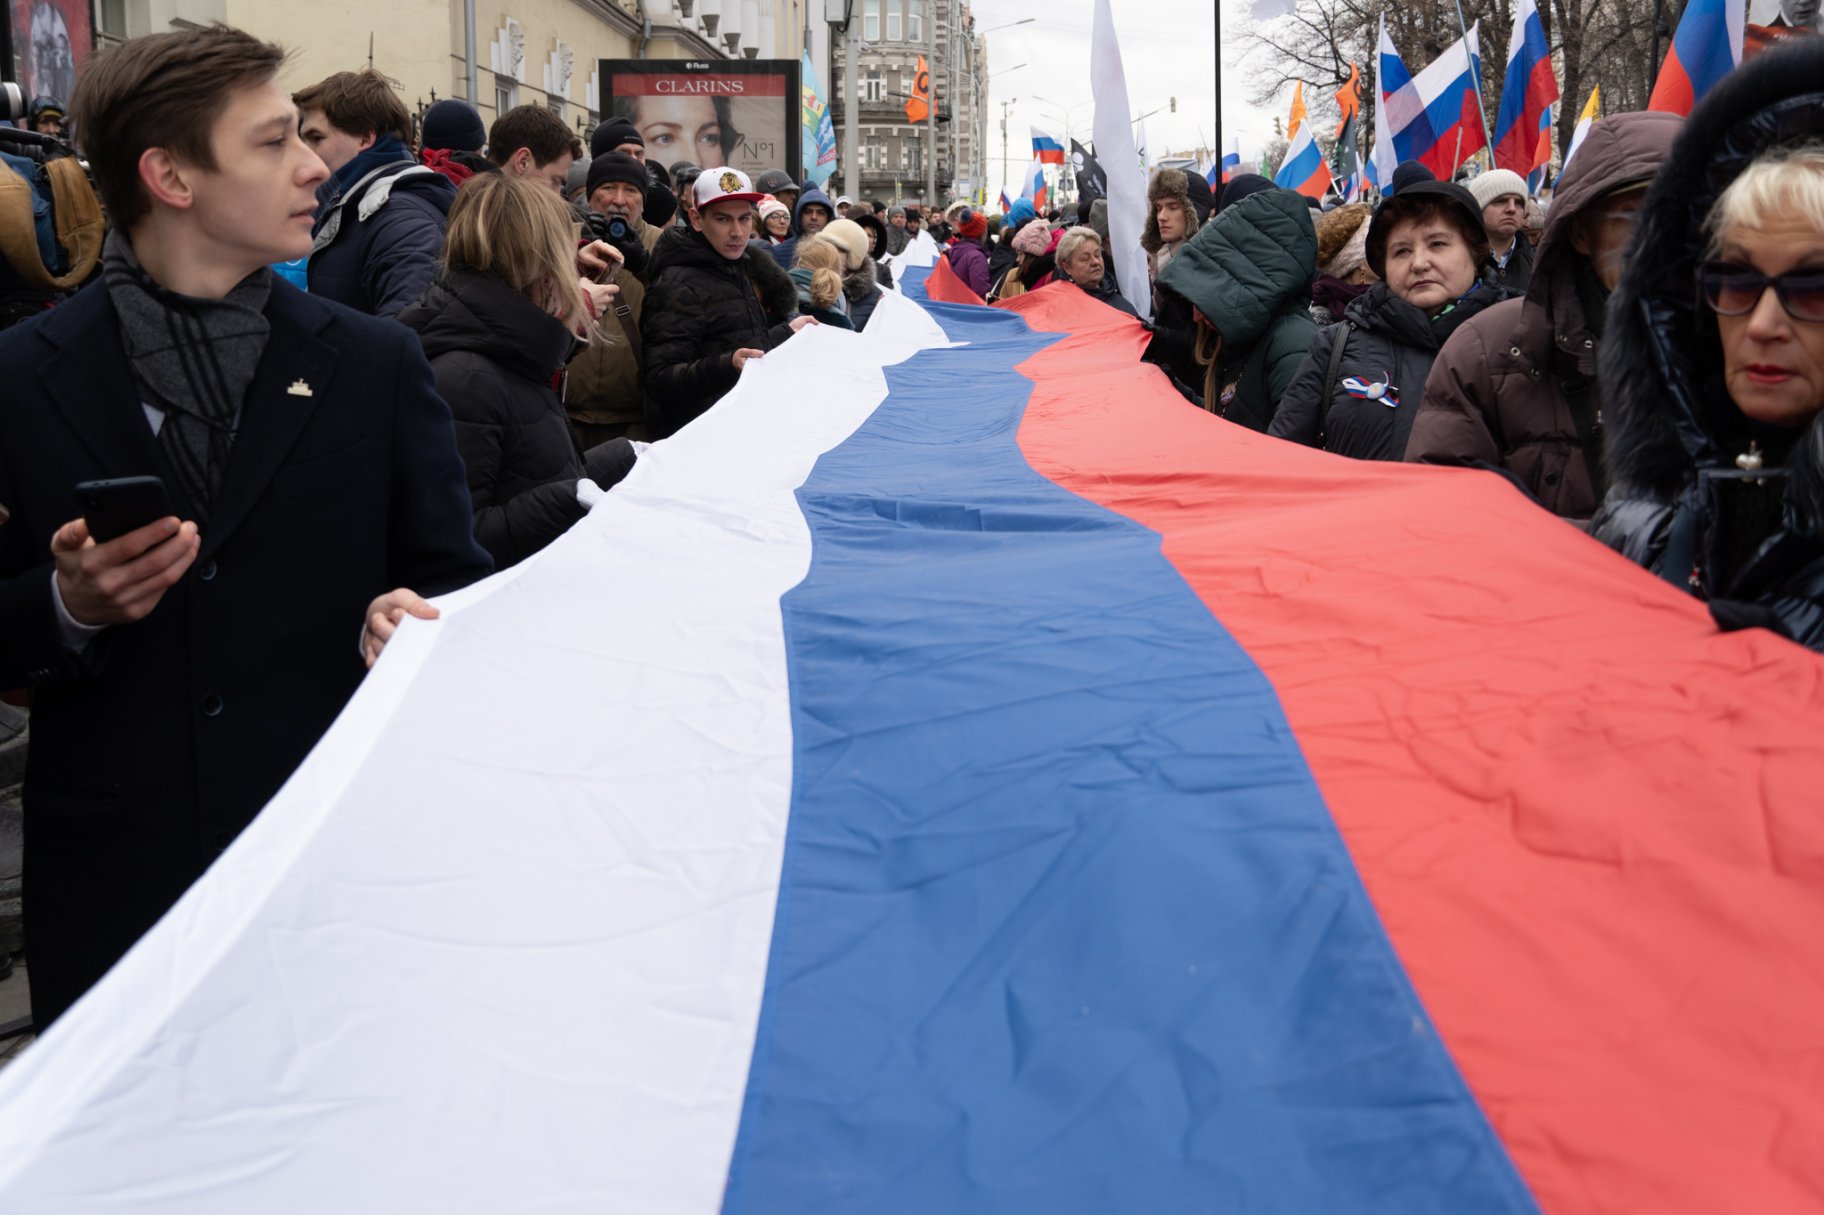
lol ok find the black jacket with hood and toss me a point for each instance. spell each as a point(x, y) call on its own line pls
point(494, 353)
point(700, 308)
point(1749, 541)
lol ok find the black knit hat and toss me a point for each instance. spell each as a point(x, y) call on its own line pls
point(1407, 173)
point(1203, 199)
point(661, 205)
point(453, 125)
point(1457, 201)
point(1240, 187)
point(617, 166)
point(612, 133)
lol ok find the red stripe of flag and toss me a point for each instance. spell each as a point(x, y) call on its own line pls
point(1588, 820)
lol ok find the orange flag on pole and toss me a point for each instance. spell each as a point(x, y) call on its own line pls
point(1349, 99)
point(918, 106)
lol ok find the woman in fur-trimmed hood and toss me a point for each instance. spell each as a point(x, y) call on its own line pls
point(1713, 377)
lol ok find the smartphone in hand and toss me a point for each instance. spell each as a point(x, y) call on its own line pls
point(117, 506)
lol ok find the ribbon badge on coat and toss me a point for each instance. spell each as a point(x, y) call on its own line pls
point(1379, 390)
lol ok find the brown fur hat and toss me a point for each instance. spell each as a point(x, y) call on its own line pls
point(1173, 184)
point(1334, 228)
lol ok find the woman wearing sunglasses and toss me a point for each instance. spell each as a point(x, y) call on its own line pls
point(1714, 371)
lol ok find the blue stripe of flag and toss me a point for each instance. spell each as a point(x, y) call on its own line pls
point(1063, 923)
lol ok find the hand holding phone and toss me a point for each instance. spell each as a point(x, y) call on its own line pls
point(115, 507)
point(121, 579)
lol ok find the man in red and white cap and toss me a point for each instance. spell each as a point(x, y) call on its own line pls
point(715, 301)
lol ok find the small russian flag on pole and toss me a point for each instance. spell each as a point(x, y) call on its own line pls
point(1047, 148)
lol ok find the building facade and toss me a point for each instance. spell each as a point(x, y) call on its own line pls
point(893, 151)
point(537, 52)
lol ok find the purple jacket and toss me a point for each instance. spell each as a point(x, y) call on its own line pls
point(971, 265)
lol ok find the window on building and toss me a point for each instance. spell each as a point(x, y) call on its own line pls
point(556, 106)
point(113, 15)
point(874, 156)
point(915, 20)
point(873, 88)
point(505, 96)
point(870, 21)
point(892, 20)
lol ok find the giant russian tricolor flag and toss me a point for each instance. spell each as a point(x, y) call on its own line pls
point(1529, 90)
point(991, 784)
point(1706, 46)
point(1434, 117)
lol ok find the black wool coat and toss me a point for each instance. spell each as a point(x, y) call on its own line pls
point(155, 745)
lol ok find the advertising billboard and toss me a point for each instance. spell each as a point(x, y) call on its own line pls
point(743, 113)
point(50, 40)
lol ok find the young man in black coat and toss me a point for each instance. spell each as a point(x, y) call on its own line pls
point(179, 672)
point(714, 302)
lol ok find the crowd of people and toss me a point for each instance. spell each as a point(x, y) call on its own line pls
point(496, 321)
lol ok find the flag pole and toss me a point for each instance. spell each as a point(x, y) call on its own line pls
point(1475, 73)
point(1216, 8)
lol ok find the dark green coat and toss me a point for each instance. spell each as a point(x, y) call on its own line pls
point(1249, 272)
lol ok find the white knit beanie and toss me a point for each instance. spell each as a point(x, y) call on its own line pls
point(1489, 186)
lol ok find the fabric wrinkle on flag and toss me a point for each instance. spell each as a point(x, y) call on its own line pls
point(945, 792)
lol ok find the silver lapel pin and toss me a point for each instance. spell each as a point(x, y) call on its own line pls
point(299, 389)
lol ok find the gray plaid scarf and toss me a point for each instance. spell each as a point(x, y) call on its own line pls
point(193, 359)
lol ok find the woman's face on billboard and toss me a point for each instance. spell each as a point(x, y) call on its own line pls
point(680, 128)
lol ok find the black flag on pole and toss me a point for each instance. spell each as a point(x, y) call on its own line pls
point(1091, 181)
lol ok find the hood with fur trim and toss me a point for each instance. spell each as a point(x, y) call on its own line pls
point(1660, 362)
point(1172, 184)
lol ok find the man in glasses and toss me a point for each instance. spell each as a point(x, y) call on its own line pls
point(1514, 389)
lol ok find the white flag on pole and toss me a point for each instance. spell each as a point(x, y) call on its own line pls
point(1384, 158)
point(1120, 160)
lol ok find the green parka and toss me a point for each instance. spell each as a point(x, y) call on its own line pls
point(1249, 272)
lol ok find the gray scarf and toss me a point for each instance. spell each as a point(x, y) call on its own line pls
point(191, 358)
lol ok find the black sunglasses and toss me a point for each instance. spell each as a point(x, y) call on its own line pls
point(1732, 289)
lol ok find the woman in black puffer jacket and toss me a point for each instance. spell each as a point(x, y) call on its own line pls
point(1713, 378)
point(1428, 244)
point(496, 326)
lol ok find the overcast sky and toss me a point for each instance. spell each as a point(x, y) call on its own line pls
point(1167, 47)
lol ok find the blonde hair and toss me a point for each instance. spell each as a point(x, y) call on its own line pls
point(825, 260)
point(1784, 183)
point(1074, 237)
point(520, 232)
